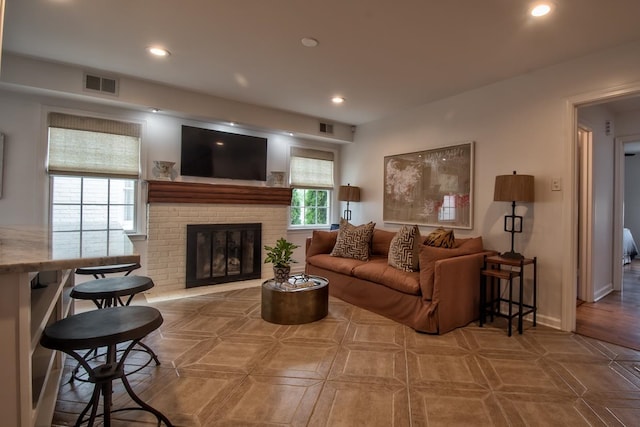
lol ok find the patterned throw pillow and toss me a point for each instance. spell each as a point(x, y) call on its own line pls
point(404, 249)
point(353, 242)
point(440, 238)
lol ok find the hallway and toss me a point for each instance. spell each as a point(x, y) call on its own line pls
point(616, 317)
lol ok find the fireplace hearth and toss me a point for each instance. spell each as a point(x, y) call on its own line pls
point(223, 253)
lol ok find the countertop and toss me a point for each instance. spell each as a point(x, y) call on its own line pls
point(32, 248)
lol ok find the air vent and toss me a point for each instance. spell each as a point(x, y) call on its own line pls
point(326, 128)
point(100, 84)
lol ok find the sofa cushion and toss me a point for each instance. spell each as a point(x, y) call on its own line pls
point(381, 241)
point(471, 245)
point(404, 249)
point(337, 264)
point(430, 254)
point(353, 241)
point(322, 242)
point(440, 238)
point(379, 271)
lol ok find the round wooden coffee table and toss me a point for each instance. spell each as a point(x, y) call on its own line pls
point(302, 299)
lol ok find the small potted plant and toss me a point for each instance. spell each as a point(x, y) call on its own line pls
point(280, 256)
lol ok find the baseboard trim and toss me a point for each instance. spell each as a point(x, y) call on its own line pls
point(603, 292)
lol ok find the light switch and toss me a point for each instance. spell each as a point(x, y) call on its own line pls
point(556, 184)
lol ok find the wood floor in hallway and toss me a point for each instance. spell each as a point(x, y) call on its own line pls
point(616, 317)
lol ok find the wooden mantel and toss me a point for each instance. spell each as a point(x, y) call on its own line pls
point(194, 192)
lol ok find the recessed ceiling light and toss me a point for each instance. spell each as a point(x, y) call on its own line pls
point(158, 51)
point(337, 99)
point(540, 9)
point(155, 110)
point(309, 42)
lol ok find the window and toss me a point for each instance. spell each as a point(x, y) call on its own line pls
point(94, 169)
point(92, 203)
point(311, 176)
point(309, 207)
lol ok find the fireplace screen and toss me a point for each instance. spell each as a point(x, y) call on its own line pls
point(222, 253)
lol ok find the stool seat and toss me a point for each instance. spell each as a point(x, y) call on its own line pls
point(105, 328)
point(111, 289)
point(99, 328)
point(100, 270)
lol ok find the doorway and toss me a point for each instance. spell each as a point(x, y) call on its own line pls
point(611, 316)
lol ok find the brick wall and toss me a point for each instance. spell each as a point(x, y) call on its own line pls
point(167, 235)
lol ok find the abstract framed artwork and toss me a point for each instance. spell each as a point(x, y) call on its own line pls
point(432, 187)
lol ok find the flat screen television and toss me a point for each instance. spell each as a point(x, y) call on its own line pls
point(216, 154)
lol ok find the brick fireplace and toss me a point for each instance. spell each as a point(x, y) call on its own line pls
point(174, 205)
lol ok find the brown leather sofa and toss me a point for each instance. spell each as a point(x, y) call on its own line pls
point(442, 296)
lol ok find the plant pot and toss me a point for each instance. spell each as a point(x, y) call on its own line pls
point(281, 274)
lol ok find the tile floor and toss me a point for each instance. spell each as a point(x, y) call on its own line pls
point(222, 365)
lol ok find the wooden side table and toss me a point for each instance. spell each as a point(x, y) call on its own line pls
point(302, 299)
point(497, 268)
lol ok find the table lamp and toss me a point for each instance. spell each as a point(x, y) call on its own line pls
point(347, 193)
point(513, 188)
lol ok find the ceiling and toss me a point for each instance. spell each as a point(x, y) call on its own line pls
point(382, 56)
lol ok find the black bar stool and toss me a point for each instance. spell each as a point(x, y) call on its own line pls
point(110, 292)
point(105, 328)
point(100, 271)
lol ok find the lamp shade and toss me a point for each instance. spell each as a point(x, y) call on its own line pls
point(513, 188)
point(347, 193)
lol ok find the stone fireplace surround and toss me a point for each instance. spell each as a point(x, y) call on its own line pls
point(174, 205)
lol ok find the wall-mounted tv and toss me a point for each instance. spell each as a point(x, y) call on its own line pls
point(216, 154)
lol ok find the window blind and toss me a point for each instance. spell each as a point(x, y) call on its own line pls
point(310, 168)
point(91, 146)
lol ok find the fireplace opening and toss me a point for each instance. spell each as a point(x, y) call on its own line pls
point(223, 253)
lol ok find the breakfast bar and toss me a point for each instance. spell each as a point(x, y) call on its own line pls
point(36, 277)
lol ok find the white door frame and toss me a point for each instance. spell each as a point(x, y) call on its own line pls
point(570, 205)
point(618, 207)
point(585, 213)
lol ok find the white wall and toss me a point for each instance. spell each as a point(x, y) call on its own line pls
point(519, 124)
point(142, 95)
point(23, 178)
point(23, 121)
point(627, 123)
point(25, 185)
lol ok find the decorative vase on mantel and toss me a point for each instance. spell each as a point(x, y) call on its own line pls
point(281, 274)
point(163, 170)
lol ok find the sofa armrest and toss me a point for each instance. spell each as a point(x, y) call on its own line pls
point(320, 242)
point(457, 290)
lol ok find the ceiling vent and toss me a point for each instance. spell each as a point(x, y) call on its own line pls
point(326, 128)
point(95, 83)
